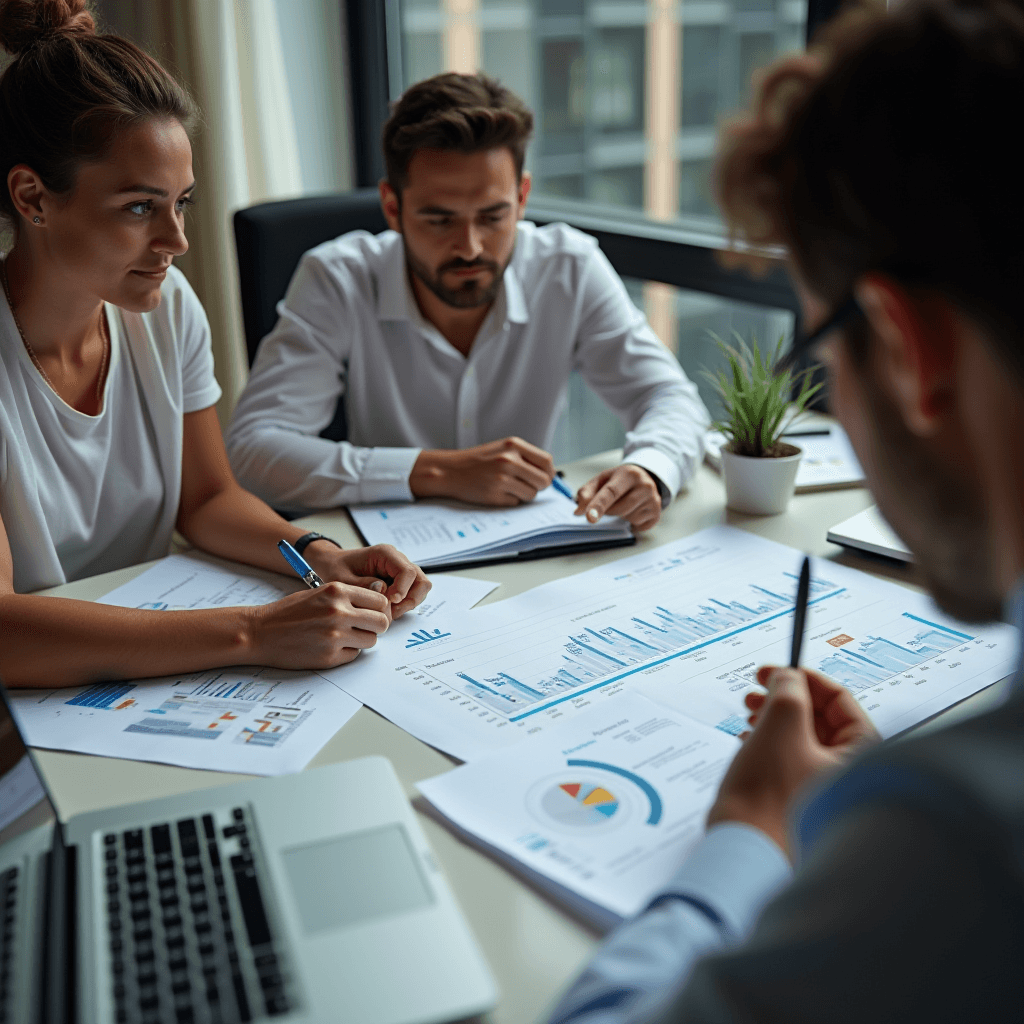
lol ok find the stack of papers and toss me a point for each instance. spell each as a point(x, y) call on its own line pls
point(449, 534)
point(686, 624)
point(598, 813)
point(829, 461)
point(259, 721)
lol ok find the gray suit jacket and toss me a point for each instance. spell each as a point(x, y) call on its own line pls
point(909, 901)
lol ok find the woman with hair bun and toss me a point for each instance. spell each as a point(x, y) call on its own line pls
point(108, 436)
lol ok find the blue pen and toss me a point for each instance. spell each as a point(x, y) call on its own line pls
point(559, 485)
point(300, 565)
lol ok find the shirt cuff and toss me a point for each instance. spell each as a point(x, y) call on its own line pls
point(385, 475)
point(658, 463)
point(731, 873)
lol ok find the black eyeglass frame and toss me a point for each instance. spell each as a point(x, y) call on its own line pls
point(840, 318)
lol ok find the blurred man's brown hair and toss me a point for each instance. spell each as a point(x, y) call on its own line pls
point(461, 113)
point(892, 147)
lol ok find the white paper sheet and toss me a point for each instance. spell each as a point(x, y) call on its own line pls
point(441, 532)
point(829, 460)
point(687, 624)
point(181, 582)
point(259, 721)
point(600, 810)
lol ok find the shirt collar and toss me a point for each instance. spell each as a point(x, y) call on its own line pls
point(396, 301)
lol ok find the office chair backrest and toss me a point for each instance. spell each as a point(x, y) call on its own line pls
point(270, 239)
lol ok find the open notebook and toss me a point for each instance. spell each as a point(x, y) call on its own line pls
point(450, 534)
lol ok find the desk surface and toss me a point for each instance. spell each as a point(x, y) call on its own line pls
point(534, 948)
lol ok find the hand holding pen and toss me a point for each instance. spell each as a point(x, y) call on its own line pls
point(381, 568)
point(804, 726)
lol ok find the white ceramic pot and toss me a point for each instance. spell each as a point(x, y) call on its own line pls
point(759, 487)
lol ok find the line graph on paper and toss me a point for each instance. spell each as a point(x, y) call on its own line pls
point(687, 625)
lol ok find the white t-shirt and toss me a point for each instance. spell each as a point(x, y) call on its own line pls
point(81, 495)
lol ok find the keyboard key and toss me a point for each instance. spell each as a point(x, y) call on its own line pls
point(173, 879)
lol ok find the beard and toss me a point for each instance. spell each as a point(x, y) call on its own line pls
point(468, 294)
point(937, 509)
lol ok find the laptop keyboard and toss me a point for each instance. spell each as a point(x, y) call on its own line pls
point(8, 906)
point(190, 937)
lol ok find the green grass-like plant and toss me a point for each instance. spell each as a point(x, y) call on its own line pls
point(760, 402)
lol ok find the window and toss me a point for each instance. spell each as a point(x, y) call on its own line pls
point(628, 96)
point(628, 93)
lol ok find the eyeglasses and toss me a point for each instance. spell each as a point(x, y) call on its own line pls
point(840, 318)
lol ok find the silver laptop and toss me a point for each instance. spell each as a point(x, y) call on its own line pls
point(311, 897)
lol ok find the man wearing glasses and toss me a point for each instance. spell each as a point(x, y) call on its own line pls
point(884, 164)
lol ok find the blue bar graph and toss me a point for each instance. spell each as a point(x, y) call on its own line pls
point(599, 654)
point(102, 695)
point(868, 662)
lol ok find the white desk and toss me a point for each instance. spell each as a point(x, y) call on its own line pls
point(533, 947)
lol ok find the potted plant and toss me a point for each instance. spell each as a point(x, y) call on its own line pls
point(760, 403)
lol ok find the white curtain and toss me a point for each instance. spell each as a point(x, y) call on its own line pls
point(271, 82)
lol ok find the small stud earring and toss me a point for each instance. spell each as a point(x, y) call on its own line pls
point(35, 220)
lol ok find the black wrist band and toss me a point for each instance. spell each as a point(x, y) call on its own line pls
point(307, 538)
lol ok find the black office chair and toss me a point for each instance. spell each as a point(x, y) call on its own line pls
point(270, 239)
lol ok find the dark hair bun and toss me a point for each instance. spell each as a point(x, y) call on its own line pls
point(23, 23)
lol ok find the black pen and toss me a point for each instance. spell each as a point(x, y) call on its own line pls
point(800, 612)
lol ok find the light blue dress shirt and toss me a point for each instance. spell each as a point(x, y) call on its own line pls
point(908, 903)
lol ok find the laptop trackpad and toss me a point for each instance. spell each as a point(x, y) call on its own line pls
point(344, 881)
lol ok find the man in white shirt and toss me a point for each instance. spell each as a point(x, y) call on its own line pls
point(452, 337)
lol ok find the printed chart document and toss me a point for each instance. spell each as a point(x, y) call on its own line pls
point(829, 461)
point(687, 624)
point(450, 533)
point(599, 811)
point(259, 721)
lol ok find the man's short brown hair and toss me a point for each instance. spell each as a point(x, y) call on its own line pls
point(461, 113)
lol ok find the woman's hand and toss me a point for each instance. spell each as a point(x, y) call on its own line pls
point(318, 628)
point(405, 584)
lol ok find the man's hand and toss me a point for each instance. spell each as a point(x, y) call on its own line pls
point(382, 568)
point(805, 726)
point(628, 491)
point(503, 473)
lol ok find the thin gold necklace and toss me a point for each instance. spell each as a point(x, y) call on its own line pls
point(104, 336)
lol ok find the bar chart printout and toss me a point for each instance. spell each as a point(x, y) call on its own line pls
point(687, 624)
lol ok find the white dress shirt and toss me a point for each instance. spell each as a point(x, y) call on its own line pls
point(350, 324)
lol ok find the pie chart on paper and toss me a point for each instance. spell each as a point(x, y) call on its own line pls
point(579, 804)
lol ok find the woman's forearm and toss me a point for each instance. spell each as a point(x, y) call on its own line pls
point(237, 525)
point(55, 641)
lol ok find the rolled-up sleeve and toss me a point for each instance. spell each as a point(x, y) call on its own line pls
point(711, 903)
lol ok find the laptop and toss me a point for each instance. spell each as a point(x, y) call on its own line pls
point(310, 897)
